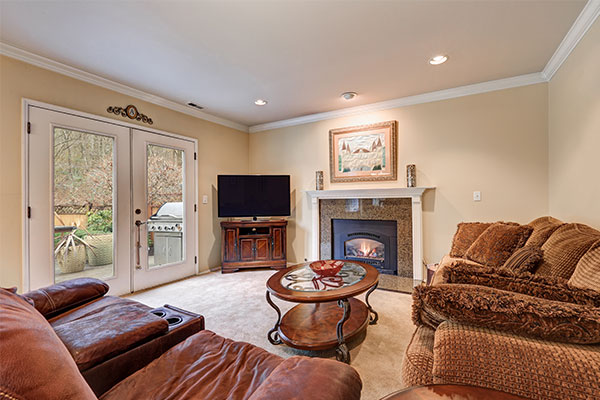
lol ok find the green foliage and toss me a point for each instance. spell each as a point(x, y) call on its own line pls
point(377, 168)
point(100, 221)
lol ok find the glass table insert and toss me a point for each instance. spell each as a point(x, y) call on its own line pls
point(303, 279)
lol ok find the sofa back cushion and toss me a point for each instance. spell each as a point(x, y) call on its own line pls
point(564, 248)
point(34, 362)
point(587, 271)
point(58, 298)
point(497, 243)
point(466, 234)
point(543, 227)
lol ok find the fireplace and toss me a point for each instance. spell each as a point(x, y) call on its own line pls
point(371, 241)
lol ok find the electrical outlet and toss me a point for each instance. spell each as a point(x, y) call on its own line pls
point(205, 199)
point(477, 196)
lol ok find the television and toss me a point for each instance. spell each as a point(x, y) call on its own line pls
point(253, 195)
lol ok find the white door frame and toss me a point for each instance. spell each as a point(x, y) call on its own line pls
point(26, 103)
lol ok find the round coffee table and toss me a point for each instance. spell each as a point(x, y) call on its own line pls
point(328, 313)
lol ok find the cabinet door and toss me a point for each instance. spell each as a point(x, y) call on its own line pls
point(246, 250)
point(230, 240)
point(262, 249)
point(278, 244)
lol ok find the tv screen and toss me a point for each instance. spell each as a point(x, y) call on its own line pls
point(253, 195)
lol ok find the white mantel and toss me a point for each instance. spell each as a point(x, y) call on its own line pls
point(414, 193)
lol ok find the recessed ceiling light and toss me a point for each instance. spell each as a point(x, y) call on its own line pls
point(348, 95)
point(437, 60)
point(260, 102)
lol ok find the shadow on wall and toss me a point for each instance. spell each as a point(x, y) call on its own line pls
point(215, 251)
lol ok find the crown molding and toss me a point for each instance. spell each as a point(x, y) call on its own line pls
point(46, 63)
point(584, 21)
point(506, 83)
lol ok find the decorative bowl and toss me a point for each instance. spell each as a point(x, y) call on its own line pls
point(326, 267)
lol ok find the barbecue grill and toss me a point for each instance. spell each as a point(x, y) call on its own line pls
point(167, 227)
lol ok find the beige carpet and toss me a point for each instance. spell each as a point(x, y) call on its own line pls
point(234, 306)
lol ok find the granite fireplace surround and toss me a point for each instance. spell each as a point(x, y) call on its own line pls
point(390, 209)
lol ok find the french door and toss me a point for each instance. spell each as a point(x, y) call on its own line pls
point(88, 182)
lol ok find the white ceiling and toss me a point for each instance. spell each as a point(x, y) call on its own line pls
point(300, 55)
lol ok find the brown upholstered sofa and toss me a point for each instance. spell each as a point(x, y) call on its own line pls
point(37, 363)
point(533, 332)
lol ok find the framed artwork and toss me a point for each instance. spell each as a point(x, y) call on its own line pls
point(363, 153)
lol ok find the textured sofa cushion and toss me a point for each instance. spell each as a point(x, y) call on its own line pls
point(58, 298)
point(34, 364)
point(207, 366)
point(446, 261)
point(466, 234)
point(545, 287)
point(564, 248)
point(525, 259)
point(543, 227)
point(497, 243)
point(510, 312)
point(587, 271)
point(108, 332)
point(531, 368)
point(417, 364)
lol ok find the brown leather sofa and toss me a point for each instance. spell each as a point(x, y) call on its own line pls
point(110, 337)
point(36, 364)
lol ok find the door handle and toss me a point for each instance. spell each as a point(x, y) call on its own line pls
point(138, 244)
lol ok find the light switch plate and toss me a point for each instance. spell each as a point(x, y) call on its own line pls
point(477, 196)
point(204, 199)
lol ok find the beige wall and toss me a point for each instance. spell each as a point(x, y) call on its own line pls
point(221, 150)
point(574, 134)
point(494, 142)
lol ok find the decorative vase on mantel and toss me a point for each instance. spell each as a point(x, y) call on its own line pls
point(411, 175)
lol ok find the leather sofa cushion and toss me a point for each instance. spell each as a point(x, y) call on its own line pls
point(531, 368)
point(95, 306)
point(308, 378)
point(205, 366)
point(564, 249)
point(112, 330)
point(587, 271)
point(497, 243)
point(34, 364)
point(543, 227)
point(466, 234)
point(58, 298)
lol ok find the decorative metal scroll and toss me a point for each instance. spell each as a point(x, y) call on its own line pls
point(130, 112)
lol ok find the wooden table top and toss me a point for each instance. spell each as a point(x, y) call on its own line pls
point(275, 287)
point(450, 392)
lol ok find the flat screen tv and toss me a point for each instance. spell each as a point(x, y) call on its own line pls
point(253, 195)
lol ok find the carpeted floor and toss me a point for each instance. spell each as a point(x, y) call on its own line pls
point(234, 306)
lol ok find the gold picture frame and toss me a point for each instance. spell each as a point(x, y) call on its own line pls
point(363, 153)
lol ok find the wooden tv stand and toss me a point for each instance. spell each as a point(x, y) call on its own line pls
point(251, 244)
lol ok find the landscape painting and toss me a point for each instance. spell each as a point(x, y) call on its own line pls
point(363, 153)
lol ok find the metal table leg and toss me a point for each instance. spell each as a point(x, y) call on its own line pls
point(341, 352)
point(373, 317)
point(273, 334)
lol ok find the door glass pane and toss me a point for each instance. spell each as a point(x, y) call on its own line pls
point(83, 205)
point(165, 205)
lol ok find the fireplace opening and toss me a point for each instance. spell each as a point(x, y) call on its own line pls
point(371, 241)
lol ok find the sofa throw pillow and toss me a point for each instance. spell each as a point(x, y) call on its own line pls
point(466, 234)
point(587, 271)
point(564, 249)
point(543, 227)
point(512, 312)
point(525, 259)
point(497, 243)
point(545, 287)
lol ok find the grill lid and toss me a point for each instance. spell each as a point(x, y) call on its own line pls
point(171, 210)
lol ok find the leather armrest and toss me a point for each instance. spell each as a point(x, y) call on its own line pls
point(310, 378)
point(58, 298)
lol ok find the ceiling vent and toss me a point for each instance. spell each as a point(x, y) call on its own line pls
point(195, 105)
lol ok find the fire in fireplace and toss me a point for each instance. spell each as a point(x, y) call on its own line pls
point(370, 241)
